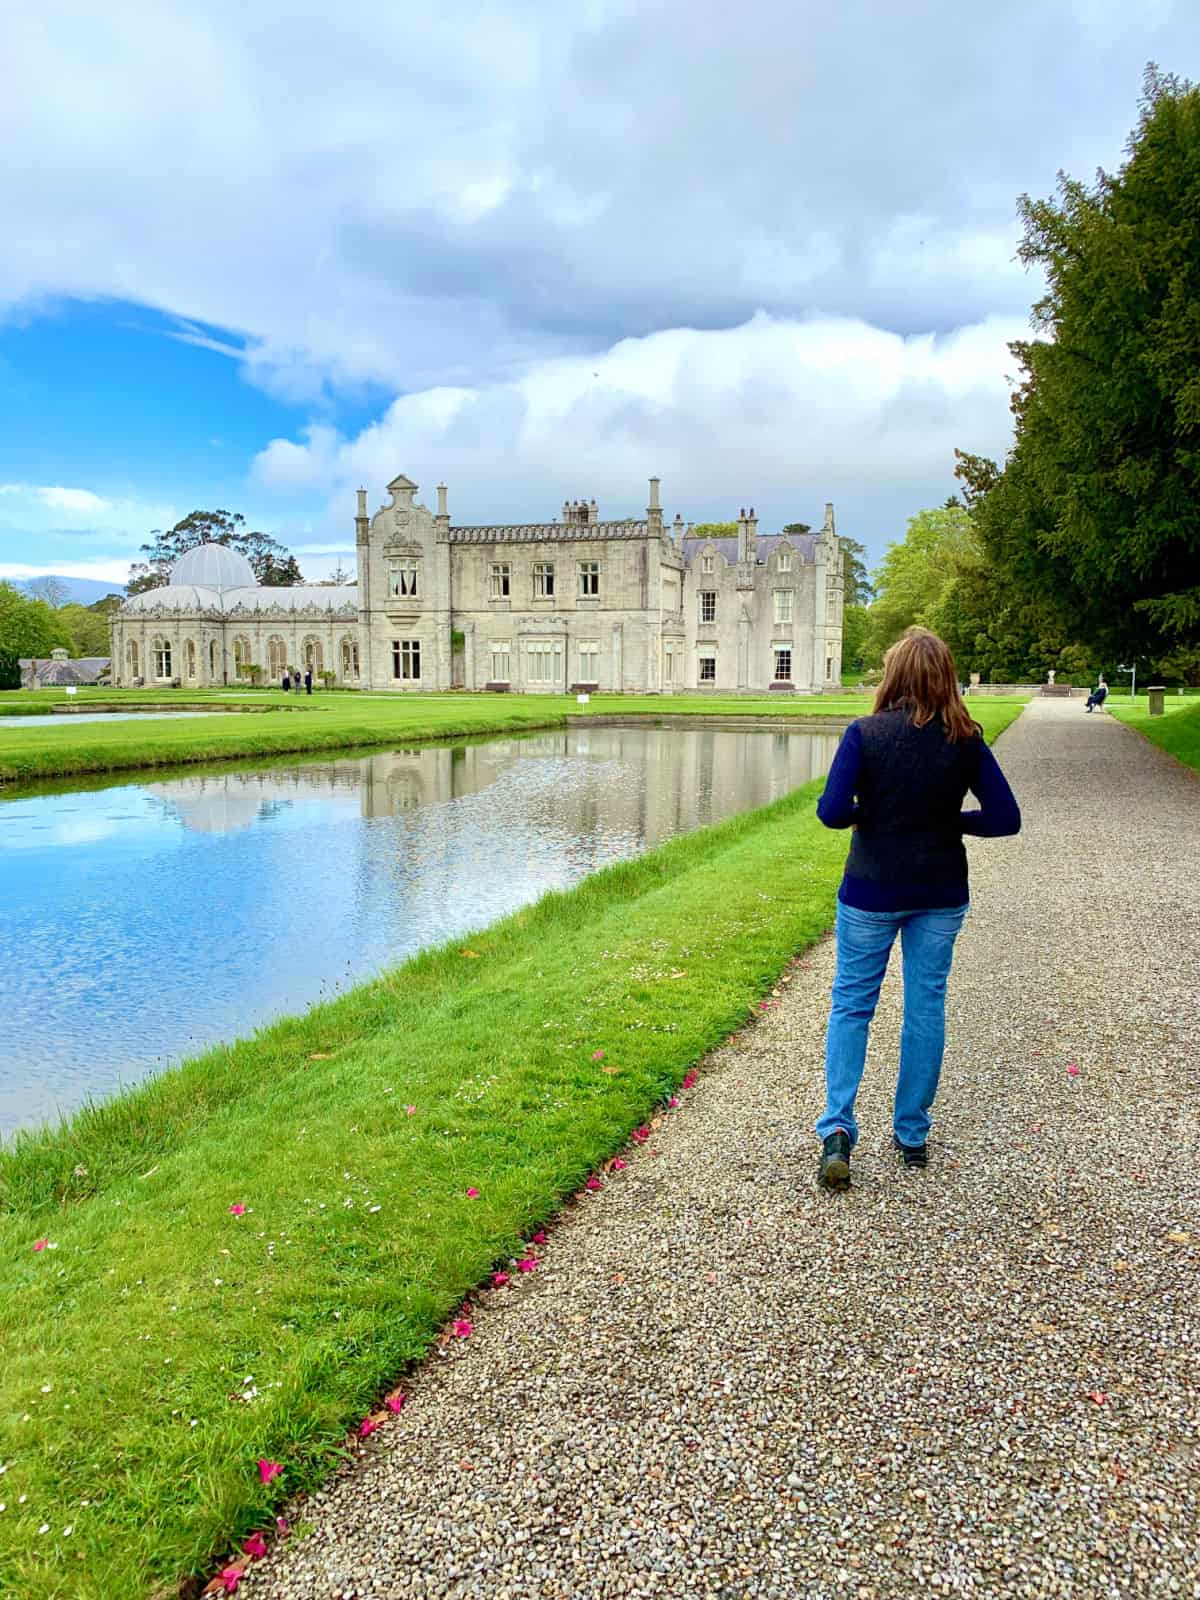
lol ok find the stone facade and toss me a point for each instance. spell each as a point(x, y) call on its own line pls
point(633, 606)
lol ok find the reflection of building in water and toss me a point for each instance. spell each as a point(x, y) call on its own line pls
point(645, 783)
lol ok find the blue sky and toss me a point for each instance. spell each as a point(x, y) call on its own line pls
point(767, 255)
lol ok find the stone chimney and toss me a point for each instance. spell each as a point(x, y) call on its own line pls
point(654, 516)
point(441, 494)
point(743, 553)
point(828, 526)
point(752, 535)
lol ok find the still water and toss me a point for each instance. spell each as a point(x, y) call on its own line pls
point(143, 922)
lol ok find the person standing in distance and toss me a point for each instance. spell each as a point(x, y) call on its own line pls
point(898, 781)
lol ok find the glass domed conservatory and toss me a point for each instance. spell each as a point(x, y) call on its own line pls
point(214, 624)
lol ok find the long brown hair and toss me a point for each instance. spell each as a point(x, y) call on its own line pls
point(919, 677)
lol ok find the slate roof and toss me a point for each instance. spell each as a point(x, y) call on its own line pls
point(764, 546)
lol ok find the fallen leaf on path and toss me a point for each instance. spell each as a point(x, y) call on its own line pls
point(1179, 1237)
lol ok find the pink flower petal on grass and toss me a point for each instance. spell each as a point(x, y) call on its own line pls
point(462, 1328)
point(411, 1110)
point(597, 1055)
point(527, 1264)
point(593, 1182)
point(690, 1077)
point(395, 1402)
point(499, 1279)
point(283, 1527)
point(673, 1101)
point(619, 1165)
point(472, 1194)
point(539, 1237)
point(231, 1577)
point(237, 1210)
point(255, 1546)
point(267, 1470)
point(367, 1427)
point(640, 1135)
point(40, 1244)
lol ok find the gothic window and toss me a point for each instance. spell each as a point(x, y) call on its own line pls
point(131, 657)
point(189, 656)
point(314, 655)
point(783, 605)
point(589, 580)
point(543, 580)
point(349, 658)
point(212, 658)
point(406, 660)
point(706, 563)
point(162, 658)
point(501, 661)
point(501, 576)
point(241, 656)
point(783, 666)
point(784, 563)
point(708, 605)
point(403, 578)
point(276, 656)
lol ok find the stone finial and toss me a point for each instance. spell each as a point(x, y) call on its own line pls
point(828, 526)
point(362, 502)
point(742, 514)
point(441, 494)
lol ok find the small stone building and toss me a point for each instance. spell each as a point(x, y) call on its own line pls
point(624, 606)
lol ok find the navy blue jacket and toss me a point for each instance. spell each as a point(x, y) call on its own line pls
point(901, 789)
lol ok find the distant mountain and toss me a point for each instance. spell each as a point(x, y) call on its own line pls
point(85, 591)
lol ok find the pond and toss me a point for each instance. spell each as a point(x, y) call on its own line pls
point(145, 921)
point(72, 719)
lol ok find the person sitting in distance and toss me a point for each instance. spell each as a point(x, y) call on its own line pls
point(1098, 695)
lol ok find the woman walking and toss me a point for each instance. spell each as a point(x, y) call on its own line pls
point(898, 780)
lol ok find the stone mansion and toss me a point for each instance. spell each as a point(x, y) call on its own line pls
point(634, 606)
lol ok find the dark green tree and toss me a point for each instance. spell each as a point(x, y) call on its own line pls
point(1095, 509)
point(273, 565)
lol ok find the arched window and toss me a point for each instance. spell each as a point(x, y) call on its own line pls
point(241, 655)
point(313, 657)
point(276, 656)
point(189, 656)
point(131, 657)
point(162, 658)
point(212, 658)
point(349, 659)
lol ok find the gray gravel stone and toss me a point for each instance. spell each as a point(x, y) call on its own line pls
point(980, 1380)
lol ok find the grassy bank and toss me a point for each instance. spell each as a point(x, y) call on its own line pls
point(159, 1345)
point(342, 721)
point(1177, 731)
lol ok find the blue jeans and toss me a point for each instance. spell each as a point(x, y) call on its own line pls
point(864, 943)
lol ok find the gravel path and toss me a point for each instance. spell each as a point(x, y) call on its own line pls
point(981, 1380)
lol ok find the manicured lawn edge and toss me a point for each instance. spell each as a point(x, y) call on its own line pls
point(155, 1303)
point(1177, 732)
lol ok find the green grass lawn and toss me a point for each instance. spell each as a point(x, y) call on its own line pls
point(279, 723)
point(1177, 731)
point(158, 1345)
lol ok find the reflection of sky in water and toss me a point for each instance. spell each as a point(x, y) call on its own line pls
point(72, 719)
point(143, 922)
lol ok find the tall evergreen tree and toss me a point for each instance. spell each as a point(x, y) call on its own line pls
point(1095, 508)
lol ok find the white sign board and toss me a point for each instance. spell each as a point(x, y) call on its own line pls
point(582, 699)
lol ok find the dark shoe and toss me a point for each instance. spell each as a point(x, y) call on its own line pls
point(915, 1155)
point(834, 1170)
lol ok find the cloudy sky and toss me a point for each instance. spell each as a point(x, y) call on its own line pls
point(255, 255)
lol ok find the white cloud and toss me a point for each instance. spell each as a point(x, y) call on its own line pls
point(423, 198)
point(105, 569)
point(784, 413)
